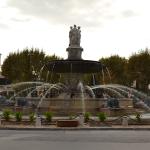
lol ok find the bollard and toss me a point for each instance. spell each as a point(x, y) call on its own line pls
point(0, 120)
point(125, 121)
point(38, 121)
point(81, 120)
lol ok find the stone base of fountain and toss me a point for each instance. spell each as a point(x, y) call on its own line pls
point(117, 111)
point(64, 107)
point(67, 123)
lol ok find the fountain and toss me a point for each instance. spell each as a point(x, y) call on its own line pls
point(71, 95)
point(73, 68)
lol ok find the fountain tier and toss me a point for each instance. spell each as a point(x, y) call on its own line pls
point(74, 66)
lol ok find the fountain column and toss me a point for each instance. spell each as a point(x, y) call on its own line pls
point(74, 53)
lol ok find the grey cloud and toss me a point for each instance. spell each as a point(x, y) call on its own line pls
point(84, 12)
point(3, 26)
point(129, 13)
point(20, 20)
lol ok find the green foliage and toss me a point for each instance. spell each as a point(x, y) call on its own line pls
point(48, 116)
point(138, 117)
point(124, 71)
point(139, 69)
point(19, 66)
point(87, 116)
point(6, 114)
point(71, 116)
point(18, 116)
point(117, 68)
point(101, 116)
point(32, 117)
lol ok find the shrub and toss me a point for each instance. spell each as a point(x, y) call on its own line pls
point(18, 116)
point(71, 116)
point(6, 114)
point(48, 116)
point(32, 117)
point(101, 116)
point(87, 116)
point(138, 117)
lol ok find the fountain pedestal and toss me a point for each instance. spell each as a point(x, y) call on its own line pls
point(74, 53)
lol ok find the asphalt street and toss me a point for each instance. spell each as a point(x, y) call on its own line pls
point(74, 140)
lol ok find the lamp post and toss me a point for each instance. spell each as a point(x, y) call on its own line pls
point(0, 64)
point(148, 93)
point(30, 65)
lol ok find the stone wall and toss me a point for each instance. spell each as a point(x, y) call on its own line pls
point(73, 106)
point(76, 105)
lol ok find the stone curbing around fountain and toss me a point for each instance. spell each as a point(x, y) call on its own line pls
point(136, 128)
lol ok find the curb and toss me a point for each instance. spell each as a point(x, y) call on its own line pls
point(76, 129)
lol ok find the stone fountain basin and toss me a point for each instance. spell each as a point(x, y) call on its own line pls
point(67, 123)
point(74, 66)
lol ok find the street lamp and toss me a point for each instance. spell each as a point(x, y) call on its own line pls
point(31, 67)
point(148, 89)
point(0, 64)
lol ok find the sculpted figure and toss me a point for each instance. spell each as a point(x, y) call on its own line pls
point(79, 35)
point(74, 36)
point(70, 36)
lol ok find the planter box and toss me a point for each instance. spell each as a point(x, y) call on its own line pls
point(67, 123)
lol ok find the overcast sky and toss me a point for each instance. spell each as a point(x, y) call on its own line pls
point(107, 26)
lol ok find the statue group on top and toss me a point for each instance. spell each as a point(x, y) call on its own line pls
point(74, 36)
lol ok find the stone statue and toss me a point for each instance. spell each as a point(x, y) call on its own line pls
point(74, 36)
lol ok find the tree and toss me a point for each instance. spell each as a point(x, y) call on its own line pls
point(25, 65)
point(139, 69)
point(116, 66)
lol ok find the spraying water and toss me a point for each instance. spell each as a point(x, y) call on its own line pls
point(81, 89)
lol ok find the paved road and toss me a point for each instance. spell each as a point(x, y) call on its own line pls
point(74, 140)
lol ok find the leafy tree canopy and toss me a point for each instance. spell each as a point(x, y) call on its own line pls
point(25, 65)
